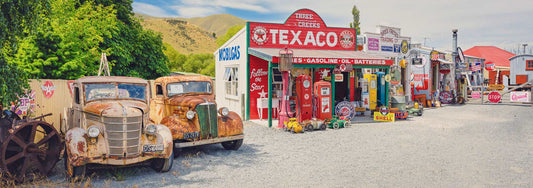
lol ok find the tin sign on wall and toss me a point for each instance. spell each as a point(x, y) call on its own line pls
point(520, 96)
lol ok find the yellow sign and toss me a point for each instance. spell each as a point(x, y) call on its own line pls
point(496, 87)
point(380, 117)
point(387, 78)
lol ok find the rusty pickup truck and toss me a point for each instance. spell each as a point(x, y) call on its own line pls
point(108, 124)
point(186, 105)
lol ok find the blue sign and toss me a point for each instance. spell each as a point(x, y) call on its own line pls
point(229, 53)
point(387, 48)
point(397, 48)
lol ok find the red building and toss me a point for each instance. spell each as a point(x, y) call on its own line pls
point(498, 58)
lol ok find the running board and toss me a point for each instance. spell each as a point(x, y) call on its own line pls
point(208, 141)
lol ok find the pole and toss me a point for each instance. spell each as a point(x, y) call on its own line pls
point(270, 94)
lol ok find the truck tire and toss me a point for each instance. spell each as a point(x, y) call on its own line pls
point(309, 127)
point(323, 126)
point(232, 145)
point(163, 164)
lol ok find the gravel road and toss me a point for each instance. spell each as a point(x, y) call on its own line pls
point(455, 146)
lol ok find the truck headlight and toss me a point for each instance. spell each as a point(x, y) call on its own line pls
point(223, 111)
point(93, 131)
point(190, 114)
point(150, 129)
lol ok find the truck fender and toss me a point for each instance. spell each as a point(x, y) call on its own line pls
point(166, 138)
point(76, 146)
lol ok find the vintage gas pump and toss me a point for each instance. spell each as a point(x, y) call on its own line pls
point(285, 66)
point(304, 100)
point(365, 97)
point(380, 76)
point(322, 90)
point(372, 90)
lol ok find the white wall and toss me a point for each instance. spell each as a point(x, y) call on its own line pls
point(518, 67)
point(232, 102)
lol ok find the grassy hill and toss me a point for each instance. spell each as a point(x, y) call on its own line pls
point(192, 35)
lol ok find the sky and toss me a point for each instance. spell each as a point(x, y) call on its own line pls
point(506, 24)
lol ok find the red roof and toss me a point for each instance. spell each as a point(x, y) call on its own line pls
point(491, 54)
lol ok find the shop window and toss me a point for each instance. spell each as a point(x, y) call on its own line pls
point(231, 81)
point(529, 65)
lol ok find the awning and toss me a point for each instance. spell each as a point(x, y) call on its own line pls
point(306, 56)
point(445, 62)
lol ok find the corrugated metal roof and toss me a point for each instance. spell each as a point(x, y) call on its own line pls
point(499, 57)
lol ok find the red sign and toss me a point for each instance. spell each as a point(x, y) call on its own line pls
point(258, 86)
point(304, 29)
point(495, 97)
point(48, 89)
point(489, 66)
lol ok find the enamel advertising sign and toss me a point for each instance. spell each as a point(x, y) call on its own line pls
point(304, 29)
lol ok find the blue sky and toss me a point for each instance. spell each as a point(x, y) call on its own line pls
point(505, 24)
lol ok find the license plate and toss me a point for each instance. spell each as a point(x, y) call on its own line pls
point(191, 135)
point(153, 148)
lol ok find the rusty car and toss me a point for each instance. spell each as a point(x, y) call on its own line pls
point(108, 124)
point(186, 105)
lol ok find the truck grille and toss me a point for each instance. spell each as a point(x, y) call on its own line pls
point(123, 135)
point(207, 117)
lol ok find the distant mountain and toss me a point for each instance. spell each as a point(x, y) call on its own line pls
point(191, 35)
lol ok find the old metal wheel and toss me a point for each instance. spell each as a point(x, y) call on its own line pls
point(73, 171)
point(309, 127)
point(323, 126)
point(31, 149)
point(163, 164)
point(232, 145)
point(336, 125)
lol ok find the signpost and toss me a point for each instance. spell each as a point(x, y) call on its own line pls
point(494, 97)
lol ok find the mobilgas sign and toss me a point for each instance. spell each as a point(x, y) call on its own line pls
point(229, 53)
point(304, 29)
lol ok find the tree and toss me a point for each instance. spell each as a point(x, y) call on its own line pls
point(17, 19)
point(231, 31)
point(355, 24)
point(66, 45)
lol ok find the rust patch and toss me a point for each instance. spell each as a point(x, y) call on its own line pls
point(81, 147)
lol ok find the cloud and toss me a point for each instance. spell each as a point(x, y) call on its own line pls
point(151, 10)
point(198, 11)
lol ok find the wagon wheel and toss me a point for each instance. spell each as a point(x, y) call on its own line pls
point(32, 148)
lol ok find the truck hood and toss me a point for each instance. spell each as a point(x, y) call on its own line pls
point(117, 108)
point(190, 101)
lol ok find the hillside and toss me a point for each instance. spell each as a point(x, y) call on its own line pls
point(182, 36)
point(218, 24)
point(192, 35)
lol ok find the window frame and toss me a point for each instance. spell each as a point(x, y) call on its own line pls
point(528, 62)
point(231, 76)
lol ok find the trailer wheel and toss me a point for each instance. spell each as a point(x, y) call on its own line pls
point(336, 125)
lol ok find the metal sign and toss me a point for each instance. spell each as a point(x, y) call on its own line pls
point(461, 54)
point(446, 97)
point(496, 87)
point(494, 97)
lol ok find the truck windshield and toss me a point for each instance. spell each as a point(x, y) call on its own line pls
point(109, 91)
point(188, 87)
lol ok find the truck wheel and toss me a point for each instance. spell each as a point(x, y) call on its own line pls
point(309, 127)
point(163, 164)
point(73, 171)
point(347, 124)
point(232, 145)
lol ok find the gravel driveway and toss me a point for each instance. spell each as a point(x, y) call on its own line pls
point(454, 146)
